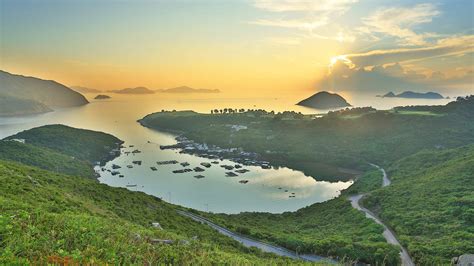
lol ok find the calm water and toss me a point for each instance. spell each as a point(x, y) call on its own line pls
point(215, 192)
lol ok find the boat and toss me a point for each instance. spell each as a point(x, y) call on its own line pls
point(242, 171)
point(115, 172)
point(137, 162)
point(114, 166)
point(130, 166)
point(153, 168)
point(131, 185)
point(199, 176)
point(207, 165)
point(198, 169)
point(243, 181)
point(184, 164)
point(230, 174)
point(121, 176)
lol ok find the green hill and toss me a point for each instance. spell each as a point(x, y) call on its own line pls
point(86, 145)
point(50, 217)
point(44, 158)
point(430, 204)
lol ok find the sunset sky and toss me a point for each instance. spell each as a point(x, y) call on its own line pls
point(243, 47)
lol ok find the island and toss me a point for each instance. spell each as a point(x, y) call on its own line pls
point(324, 100)
point(186, 89)
point(414, 95)
point(23, 95)
point(102, 97)
point(136, 90)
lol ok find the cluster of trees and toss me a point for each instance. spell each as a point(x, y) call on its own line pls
point(352, 111)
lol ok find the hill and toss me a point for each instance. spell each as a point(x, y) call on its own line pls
point(137, 90)
point(86, 145)
point(13, 106)
point(81, 89)
point(430, 204)
point(49, 218)
point(324, 100)
point(185, 89)
point(102, 97)
point(47, 92)
point(414, 95)
point(44, 158)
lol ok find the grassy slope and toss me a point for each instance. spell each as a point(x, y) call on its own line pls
point(44, 214)
point(86, 145)
point(330, 228)
point(44, 158)
point(319, 146)
point(430, 204)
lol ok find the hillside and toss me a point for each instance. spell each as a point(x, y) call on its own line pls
point(81, 89)
point(13, 106)
point(47, 92)
point(44, 158)
point(53, 218)
point(324, 100)
point(430, 204)
point(86, 145)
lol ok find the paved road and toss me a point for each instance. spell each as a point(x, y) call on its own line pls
point(387, 233)
point(248, 242)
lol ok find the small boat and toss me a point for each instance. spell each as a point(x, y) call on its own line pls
point(243, 181)
point(198, 169)
point(115, 172)
point(131, 185)
point(207, 165)
point(199, 176)
point(230, 174)
point(130, 166)
point(215, 162)
point(184, 164)
point(121, 176)
point(238, 166)
point(242, 171)
point(137, 162)
point(153, 168)
point(114, 166)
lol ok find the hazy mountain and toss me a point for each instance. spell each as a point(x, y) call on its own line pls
point(28, 95)
point(186, 89)
point(324, 100)
point(102, 97)
point(136, 90)
point(85, 89)
point(415, 95)
point(12, 106)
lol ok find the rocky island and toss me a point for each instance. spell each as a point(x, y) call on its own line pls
point(414, 95)
point(324, 100)
point(102, 97)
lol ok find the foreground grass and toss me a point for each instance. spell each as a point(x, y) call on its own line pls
point(47, 217)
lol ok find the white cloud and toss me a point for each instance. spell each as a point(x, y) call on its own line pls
point(444, 47)
point(399, 22)
point(304, 5)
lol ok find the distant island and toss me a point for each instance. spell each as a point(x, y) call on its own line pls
point(102, 97)
point(324, 100)
point(22, 95)
point(414, 95)
point(81, 89)
point(186, 89)
point(136, 90)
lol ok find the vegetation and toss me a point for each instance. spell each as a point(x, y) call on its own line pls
point(44, 158)
point(430, 204)
point(47, 217)
point(320, 146)
point(332, 228)
point(86, 145)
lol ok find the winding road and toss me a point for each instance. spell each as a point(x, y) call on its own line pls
point(387, 233)
point(248, 242)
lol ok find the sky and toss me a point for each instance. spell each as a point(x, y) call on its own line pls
point(243, 47)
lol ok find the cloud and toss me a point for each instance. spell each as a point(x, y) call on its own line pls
point(444, 47)
point(305, 15)
point(399, 21)
point(386, 70)
point(304, 5)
